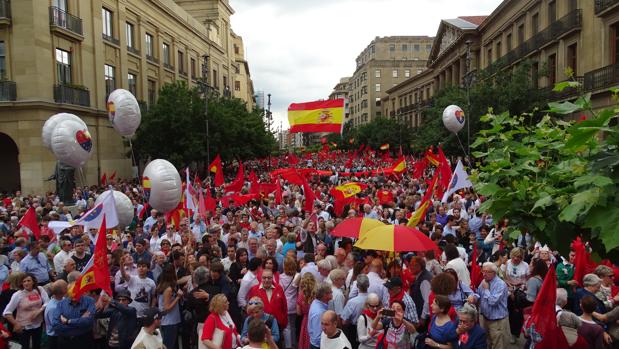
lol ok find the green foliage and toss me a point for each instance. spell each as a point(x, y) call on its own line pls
point(377, 132)
point(553, 178)
point(175, 128)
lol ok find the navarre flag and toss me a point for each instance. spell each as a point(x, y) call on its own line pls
point(237, 184)
point(113, 176)
point(445, 169)
point(347, 190)
point(217, 168)
point(318, 116)
point(426, 201)
point(542, 326)
point(94, 217)
point(96, 273)
point(310, 197)
point(476, 276)
point(459, 180)
point(29, 220)
point(384, 146)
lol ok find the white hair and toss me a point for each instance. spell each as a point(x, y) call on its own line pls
point(561, 297)
point(324, 264)
point(491, 266)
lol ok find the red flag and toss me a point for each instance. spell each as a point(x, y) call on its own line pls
point(145, 208)
point(309, 197)
point(217, 168)
point(104, 179)
point(583, 264)
point(201, 205)
point(476, 275)
point(433, 159)
point(237, 184)
point(384, 196)
point(445, 171)
point(293, 159)
point(420, 167)
point(197, 181)
point(210, 203)
point(252, 176)
point(29, 220)
point(113, 176)
point(542, 325)
point(96, 273)
point(278, 192)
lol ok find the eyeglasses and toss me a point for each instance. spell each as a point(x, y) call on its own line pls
point(254, 303)
point(374, 306)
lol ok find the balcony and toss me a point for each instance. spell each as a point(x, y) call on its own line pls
point(8, 90)
point(72, 95)
point(152, 59)
point(111, 39)
point(168, 66)
point(602, 78)
point(603, 6)
point(65, 23)
point(567, 92)
point(5, 12)
point(133, 50)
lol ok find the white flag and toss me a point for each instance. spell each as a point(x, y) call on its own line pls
point(94, 217)
point(189, 203)
point(459, 180)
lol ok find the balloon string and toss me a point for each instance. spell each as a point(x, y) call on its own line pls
point(466, 156)
point(132, 154)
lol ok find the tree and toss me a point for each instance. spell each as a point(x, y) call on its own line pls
point(379, 131)
point(553, 178)
point(175, 128)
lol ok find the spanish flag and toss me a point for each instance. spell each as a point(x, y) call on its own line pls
point(347, 190)
point(426, 201)
point(399, 166)
point(431, 157)
point(318, 116)
point(384, 146)
point(217, 168)
point(96, 273)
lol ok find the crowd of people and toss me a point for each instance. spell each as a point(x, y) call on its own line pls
point(267, 274)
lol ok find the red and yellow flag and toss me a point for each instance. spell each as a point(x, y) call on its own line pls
point(347, 190)
point(384, 146)
point(96, 273)
point(217, 168)
point(318, 116)
point(426, 201)
point(399, 166)
point(431, 157)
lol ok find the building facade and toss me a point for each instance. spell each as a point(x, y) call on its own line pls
point(384, 63)
point(68, 55)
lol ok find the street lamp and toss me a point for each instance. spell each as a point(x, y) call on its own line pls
point(269, 117)
point(468, 79)
point(204, 88)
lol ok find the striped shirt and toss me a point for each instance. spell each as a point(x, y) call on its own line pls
point(493, 300)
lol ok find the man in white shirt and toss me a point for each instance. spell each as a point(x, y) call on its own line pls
point(331, 336)
point(142, 288)
point(149, 337)
point(150, 221)
point(338, 278)
point(230, 258)
point(456, 263)
point(61, 257)
point(248, 281)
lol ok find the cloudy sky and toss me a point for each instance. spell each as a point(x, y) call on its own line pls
point(298, 49)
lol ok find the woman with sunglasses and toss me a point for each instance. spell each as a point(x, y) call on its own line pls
point(366, 335)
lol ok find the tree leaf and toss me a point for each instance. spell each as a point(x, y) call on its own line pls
point(544, 201)
point(488, 189)
point(606, 220)
point(560, 86)
point(562, 108)
point(581, 203)
point(598, 181)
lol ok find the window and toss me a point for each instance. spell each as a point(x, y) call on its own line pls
point(377, 88)
point(394, 73)
point(225, 81)
point(614, 43)
point(236, 49)
point(535, 74)
point(571, 5)
point(237, 85)
point(132, 82)
point(404, 47)
point(61, 4)
point(149, 45)
point(215, 79)
point(416, 47)
point(110, 82)
point(106, 17)
point(489, 56)
point(130, 35)
point(428, 47)
point(552, 69)
point(572, 60)
point(63, 66)
point(181, 62)
point(193, 68)
point(407, 73)
point(166, 53)
point(392, 48)
point(372, 49)
point(552, 11)
point(152, 92)
point(535, 23)
point(498, 49)
point(508, 42)
point(2, 61)
point(377, 73)
point(520, 34)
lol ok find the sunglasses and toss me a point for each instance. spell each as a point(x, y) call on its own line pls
point(374, 306)
point(254, 303)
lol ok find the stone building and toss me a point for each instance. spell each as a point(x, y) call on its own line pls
point(68, 55)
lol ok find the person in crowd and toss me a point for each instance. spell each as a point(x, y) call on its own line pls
point(460, 296)
point(456, 263)
point(58, 290)
point(320, 304)
point(273, 298)
point(28, 305)
point(442, 330)
point(248, 281)
point(565, 276)
point(537, 273)
point(397, 293)
point(289, 281)
point(516, 271)
point(331, 336)
point(255, 309)
point(168, 298)
point(605, 294)
point(258, 335)
point(397, 330)
point(377, 285)
point(366, 335)
point(470, 334)
point(123, 319)
point(219, 330)
point(73, 319)
point(36, 264)
point(592, 284)
point(592, 332)
point(149, 337)
point(141, 288)
point(305, 298)
point(238, 268)
point(492, 295)
point(63, 255)
point(338, 279)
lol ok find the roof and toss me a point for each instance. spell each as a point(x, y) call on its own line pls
point(466, 22)
point(474, 19)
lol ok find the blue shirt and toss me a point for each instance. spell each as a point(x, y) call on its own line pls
point(78, 325)
point(37, 266)
point(313, 321)
point(265, 317)
point(353, 308)
point(49, 311)
point(493, 301)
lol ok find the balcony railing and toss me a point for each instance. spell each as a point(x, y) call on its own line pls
point(567, 92)
point(5, 9)
point(111, 39)
point(603, 5)
point(72, 95)
point(168, 66)
point(8, 90)
point(571, 21)
point(62, 19)
point(602, 78)
point(133, 50)
point(152, 59)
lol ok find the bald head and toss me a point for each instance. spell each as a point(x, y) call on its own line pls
point(328, 323)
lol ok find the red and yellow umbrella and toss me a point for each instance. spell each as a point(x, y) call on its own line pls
point(355, 227)
point(395, 238)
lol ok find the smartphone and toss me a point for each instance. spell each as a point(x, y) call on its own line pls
point(389, 312)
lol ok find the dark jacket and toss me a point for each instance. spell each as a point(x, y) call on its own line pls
point(124, 319)
point(425, 275)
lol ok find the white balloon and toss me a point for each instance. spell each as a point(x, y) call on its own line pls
point(71, 143)
point(124, 207)
point(52, 122)
point(162, 185)
point(124, 112)
point(453, 118)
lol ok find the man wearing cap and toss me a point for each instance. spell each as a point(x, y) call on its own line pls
point(592, 284)
point(149, 337)
point(396, 293)
point(121, 328)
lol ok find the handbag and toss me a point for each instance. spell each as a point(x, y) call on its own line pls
point(420, 340)
point(218, 337)
point(520, 299)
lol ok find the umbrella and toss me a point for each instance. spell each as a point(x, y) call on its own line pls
point(396, 238)
point(355, 227)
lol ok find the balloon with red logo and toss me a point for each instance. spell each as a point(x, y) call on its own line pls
point(52, 122)
point(162, 185)
point(124, 206)
point(123, 111)
point(453, 118)
point(71, 143)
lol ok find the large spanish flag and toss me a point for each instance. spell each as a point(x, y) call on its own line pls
point(318, 116)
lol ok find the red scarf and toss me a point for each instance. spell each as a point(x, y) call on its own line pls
point(398, 297)
point(371, 314)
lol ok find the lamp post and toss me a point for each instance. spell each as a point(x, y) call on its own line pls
point(269, 117)
point(468, 81)
point(204, 88)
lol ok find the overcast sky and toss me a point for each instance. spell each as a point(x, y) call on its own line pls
point(299, 49)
